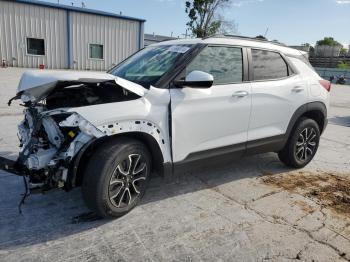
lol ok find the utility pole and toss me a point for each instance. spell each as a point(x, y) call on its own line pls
point(185, 35)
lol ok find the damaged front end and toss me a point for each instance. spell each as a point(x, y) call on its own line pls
point(52, 134)
point(49, 140)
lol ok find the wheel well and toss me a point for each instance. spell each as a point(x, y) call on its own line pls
point(316, 115)
point(315, 110)
point(148, 140)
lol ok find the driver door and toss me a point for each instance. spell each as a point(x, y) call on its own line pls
point(210, 121)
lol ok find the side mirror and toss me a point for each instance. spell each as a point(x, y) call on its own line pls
point(196, 79)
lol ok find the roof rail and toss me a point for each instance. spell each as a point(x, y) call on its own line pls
point(244, 38)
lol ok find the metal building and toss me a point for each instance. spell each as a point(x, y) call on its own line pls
point(36, 33)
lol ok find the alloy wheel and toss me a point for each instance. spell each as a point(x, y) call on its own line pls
point(127, 180)
point(306, 144)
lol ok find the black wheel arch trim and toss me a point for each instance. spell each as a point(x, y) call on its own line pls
point(309, 107)
point(76, 170)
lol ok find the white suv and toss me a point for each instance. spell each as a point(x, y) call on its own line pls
point(168, 106)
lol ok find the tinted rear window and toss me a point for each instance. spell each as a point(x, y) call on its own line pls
point(268, 65)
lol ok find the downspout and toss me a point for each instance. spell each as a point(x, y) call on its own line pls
point(141, 35)
point(69, 41)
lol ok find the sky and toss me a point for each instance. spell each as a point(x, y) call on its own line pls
point(292, 22)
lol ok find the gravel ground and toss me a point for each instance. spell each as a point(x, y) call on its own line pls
point(254, 209)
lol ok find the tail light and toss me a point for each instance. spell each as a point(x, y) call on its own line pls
point(326, 84)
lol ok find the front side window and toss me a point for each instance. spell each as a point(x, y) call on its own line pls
point(224, 63)
point(96, 51)
point(268, 65)
point(148, 65)
point(35, 46)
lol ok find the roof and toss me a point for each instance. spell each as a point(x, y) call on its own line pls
point(238, 41)
point(78, 9)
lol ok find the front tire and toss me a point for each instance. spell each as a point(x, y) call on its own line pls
point(302, 144)
point(116, 177)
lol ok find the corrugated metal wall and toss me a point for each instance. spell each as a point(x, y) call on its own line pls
point(67, 36)
point(18, 21)
point(119, 37)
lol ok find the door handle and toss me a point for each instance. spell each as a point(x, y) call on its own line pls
point(240, 94)
point(298, 89)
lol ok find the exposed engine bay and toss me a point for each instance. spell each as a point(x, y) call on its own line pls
point(51, 136)
point(86, 94)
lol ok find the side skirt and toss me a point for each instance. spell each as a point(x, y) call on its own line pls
point(225, 155)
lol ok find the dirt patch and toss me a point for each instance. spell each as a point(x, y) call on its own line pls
point(328, 189)
point(305, 207)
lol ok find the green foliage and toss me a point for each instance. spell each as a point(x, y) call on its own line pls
point(328, 41)
point(343, 65)
point(203, 16)
point(343, 51)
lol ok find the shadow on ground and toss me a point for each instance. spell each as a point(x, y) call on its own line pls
point(340, 121)
point(49, 217)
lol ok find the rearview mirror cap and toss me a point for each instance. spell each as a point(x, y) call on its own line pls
point(196, 79)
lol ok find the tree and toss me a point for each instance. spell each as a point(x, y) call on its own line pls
point(227, 26)
point(343, 51)
point(328, 41)
point(343, 65)
point(205, 19)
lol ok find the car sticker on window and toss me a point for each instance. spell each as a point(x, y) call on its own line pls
point(178, 49)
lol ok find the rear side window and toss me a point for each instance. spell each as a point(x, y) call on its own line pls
point(268, 65)
point(224, 63)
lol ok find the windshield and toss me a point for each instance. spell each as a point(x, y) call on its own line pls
point(150, 64)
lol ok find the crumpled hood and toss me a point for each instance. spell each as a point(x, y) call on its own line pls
point(35, 85)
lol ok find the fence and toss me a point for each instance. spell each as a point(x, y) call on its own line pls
point(327, 51)
point(326, 73)
point(328, 62)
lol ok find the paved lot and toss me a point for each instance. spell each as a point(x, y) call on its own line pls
point(251, 210)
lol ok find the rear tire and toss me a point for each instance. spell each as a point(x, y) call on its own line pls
point(302, 144)
point(116, 177)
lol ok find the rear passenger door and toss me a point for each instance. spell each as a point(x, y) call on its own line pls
point(277, 92)
point(209, 121)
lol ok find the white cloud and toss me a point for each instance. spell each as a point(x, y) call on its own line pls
point(342, 2)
